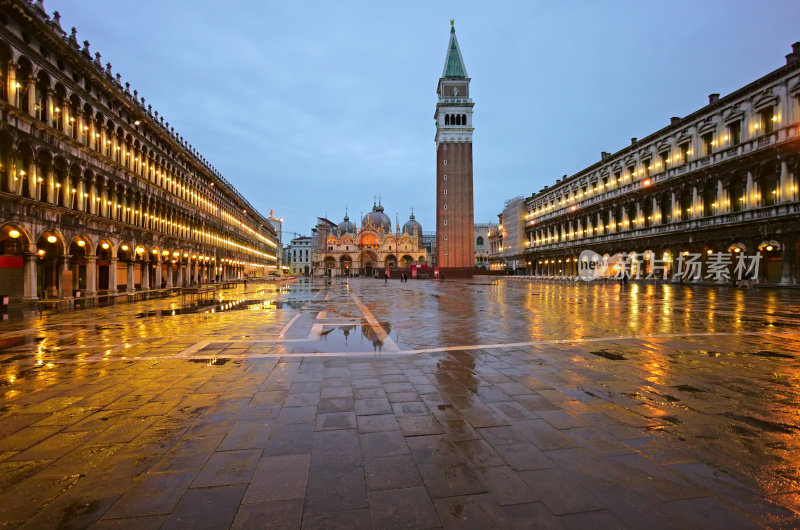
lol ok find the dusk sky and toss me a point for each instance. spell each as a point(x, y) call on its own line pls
point(311, 107)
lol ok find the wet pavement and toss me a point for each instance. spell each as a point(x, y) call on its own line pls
point(480, 403)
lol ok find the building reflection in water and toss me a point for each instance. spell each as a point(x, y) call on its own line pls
point(457, 322)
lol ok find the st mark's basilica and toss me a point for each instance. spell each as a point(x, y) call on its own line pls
point(372, 249)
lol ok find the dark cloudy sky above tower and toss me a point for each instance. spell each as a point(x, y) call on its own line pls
point(309, 107)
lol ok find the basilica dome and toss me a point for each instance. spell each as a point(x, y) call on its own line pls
point(346, 227)
point(411, 225)
point(377, 220)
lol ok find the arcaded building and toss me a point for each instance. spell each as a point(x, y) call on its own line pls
point(720, 182)
point(98, 192)
point(455, 244)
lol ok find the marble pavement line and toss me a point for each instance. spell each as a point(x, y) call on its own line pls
point(396, 351)
point(285, 329)
point(191, 350)
point(388, 343)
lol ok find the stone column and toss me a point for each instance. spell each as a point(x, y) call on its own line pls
point(788, 265)
point(748, 198)
point(29, 264)
point(180, 274)
point(196, 271)
point(169, 273)
point(158, 275)
point(785, 188)
point(91, 275)
point(145, 273)
point(131, 287)
point(30, 173)
point(50, 182)
point(29, 96)
point(12, 91)
point(112, 275)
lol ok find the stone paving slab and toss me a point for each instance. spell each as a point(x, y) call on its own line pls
point(509, 405)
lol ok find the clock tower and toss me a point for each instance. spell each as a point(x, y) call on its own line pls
point(455, 244)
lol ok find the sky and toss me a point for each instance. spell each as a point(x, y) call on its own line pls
point(312, 107)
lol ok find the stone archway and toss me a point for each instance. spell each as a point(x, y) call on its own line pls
point(51, 249)
point(346, 264)
point(17, 263)
point(369, 261)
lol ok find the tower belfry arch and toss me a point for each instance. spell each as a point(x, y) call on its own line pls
point(455, 246)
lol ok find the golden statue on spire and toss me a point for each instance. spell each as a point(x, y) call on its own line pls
point(452, 22)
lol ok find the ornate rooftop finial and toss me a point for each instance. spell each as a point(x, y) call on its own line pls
point(57, 21)
point(149, 108)
point(119, 76)
point(73, 37)
point(452, 24)
point(127, 87)
point(39, 4)
point(156, 112)
point(135, 93)
point(85, 49)
point(108, 68)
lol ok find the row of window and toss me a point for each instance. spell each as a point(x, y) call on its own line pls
point(52, 107)
point(661, 209)
point(455, 119)
point(710, 142)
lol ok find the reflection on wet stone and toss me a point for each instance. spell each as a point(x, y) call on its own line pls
point(494, 400)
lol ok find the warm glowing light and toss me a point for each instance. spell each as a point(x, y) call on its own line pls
point(14, 234)
point(124, 247)
point(51, 239)
point(646, 182)
point(41, 252)
point(769, 248)
point(105, 246)
point(81, 243)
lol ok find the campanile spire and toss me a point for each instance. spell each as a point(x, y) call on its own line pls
point(455, 248)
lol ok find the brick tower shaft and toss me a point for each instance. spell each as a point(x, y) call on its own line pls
point(455, 247)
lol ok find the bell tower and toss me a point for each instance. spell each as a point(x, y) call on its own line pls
point(455, 245)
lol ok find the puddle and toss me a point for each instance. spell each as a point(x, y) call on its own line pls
point(211, 306)
point(774, 354)
point(611, 356)
point(341, 338)
point(210, 362)
point(689, 388)
point(763, 425)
